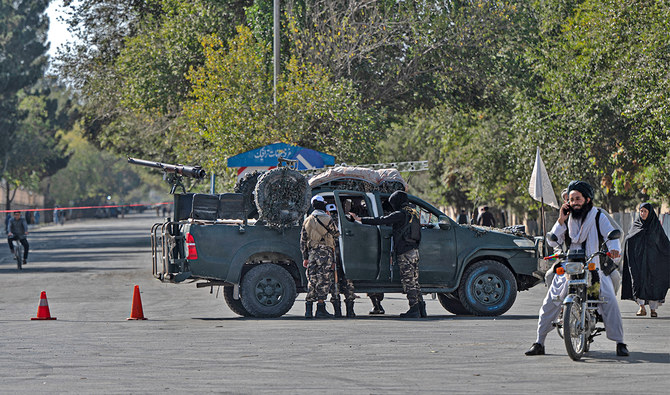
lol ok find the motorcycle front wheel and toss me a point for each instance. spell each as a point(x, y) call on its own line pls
point(574, 333)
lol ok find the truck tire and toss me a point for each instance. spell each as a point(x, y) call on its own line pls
point(452, 304)
point(234, 305)
point(487, 288)
point(282, 197)
point(246, 186)
point(267, 291)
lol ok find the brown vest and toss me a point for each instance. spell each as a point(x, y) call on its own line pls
point(318, 234)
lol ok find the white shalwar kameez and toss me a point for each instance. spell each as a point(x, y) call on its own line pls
point(581, 231)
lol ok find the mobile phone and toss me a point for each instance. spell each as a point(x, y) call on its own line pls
point(566, 210)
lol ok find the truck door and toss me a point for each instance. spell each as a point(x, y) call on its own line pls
point(359, 244)
point(438, 262)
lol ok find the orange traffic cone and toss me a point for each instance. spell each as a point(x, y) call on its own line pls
point(43, 309)
point(136, 312)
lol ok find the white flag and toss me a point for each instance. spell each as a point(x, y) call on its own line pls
point(540, 186)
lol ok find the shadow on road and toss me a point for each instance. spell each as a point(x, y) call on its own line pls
point(59, 269)
point(635, 357)
point(385, 317)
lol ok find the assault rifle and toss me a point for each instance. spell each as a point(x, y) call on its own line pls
point(173, 173)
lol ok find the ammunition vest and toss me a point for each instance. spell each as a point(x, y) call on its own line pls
point(318, 234)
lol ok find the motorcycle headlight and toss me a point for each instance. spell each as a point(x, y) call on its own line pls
point(573, 267)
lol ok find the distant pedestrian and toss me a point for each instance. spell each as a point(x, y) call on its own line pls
point(486, 218)
point(56, 215)
point(462, 218)
point(646, 262)
point(37, 217)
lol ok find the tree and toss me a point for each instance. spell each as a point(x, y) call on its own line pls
point(91, 175)
point(233, 104)
point(130, 66)
point(601, 106)
point(468, 136)
point(30, 113)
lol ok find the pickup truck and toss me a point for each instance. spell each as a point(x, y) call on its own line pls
point(473, 270)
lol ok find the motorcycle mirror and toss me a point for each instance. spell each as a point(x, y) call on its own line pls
point(613, 235)
point(552, 237)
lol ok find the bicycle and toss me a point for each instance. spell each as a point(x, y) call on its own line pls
point(18, 253)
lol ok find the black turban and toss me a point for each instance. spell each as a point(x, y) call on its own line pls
point(581, 186)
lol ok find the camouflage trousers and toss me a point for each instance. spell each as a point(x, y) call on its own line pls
point(319, 273)
point(408, 264)
point(344, 287)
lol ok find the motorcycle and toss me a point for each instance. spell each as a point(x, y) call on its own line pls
point(579, 316)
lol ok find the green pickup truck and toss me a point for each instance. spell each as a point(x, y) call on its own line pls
point(473, 270)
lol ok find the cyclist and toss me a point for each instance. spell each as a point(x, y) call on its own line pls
point(17, 229)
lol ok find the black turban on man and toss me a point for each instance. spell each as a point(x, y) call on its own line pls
point(581, 186)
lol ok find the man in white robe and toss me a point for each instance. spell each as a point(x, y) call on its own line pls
point(578, 218)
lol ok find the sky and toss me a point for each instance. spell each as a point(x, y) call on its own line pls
point(58, 33)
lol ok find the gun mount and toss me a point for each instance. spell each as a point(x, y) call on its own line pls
point(174, 172)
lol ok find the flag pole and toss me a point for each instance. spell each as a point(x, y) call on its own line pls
point(542, 217)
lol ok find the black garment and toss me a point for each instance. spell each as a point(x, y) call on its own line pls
point(486, 219)
point(462, 219)
point(22, 240)
point(646, 260)
point(398, 219)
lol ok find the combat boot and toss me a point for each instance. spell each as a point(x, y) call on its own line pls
point(337, 306)
point(413, 312)
point(308, 309)
point(321, 311)
point(422, 309)
point(376, 306)
point(350, 308)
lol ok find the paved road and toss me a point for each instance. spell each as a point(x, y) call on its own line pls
point(192, 342)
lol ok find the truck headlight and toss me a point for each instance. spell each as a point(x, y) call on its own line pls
point(524, 243)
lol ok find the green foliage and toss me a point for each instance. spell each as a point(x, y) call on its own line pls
point(233, 107)
point(603, 106)
point(91, 175)
point(472, 86)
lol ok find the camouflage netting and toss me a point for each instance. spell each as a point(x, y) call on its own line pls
point(390, 181)
point(360, 179)
point(282, 197)
point(246, 186)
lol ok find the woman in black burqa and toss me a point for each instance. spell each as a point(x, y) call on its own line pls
point(646, 262)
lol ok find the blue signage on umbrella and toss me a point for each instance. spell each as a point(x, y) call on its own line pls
point(268, 155)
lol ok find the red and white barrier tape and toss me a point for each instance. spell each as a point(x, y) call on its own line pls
point(83, 207)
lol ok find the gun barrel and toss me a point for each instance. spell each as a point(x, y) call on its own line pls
point(190, 171)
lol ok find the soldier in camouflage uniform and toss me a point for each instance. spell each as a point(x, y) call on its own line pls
point(406, 250)
point(317, 243)
point(341, 285)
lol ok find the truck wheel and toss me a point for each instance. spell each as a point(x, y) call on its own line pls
point(234, 305)
point(487, 288)
point(282, 197)
point(452, 304)
point(246, 186)
point(267, 291)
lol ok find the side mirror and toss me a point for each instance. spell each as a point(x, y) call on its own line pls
point(613, 235)
point(443, 222)
point(552, 237)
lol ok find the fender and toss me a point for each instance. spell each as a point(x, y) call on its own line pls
point(570, 298)
point(259, 246)
point(505, 252)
